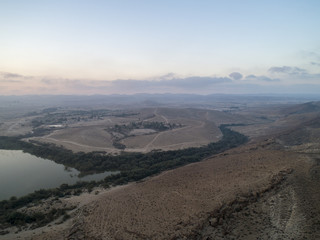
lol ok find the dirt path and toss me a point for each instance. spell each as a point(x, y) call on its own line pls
point(162, 116)
point(148, 146)
point(78, 144)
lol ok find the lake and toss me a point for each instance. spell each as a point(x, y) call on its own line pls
point(22, 173)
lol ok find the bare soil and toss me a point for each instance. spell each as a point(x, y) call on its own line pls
point(289, 211)
point(268, 189)
point(177, 204)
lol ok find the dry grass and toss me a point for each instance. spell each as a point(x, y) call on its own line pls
point(175, 202)
point(179, 202)
point(86, 139)
point(94, 136)
point(198, 128)
point(14, 127)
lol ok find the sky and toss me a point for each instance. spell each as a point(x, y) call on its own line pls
point(178, 46)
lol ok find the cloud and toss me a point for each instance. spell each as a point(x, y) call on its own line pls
point(311, 55)
point(10, 75)
point(236, 76)
point(167, 76)
point(188, 83)
point(10, 81)
point(288, 70)
point(261, 78)
point(49, 81)
point(6, 77)
point(196, 82)
point(295, 74)
point(315, 63)
point(168, 83)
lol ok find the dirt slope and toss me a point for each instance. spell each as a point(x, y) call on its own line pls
point(290, 211)
point(268, 189)
point(177, 203)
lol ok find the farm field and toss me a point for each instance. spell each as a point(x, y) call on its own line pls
point(140, 130)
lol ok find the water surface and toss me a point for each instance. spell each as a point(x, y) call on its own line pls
point(22, 173)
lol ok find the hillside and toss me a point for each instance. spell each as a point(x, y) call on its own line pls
point(266, 189)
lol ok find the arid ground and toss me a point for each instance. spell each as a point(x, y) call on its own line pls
point(266, 189)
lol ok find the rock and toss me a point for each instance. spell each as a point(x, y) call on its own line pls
point(213, 222)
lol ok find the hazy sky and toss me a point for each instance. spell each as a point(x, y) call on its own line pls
point(97, 47)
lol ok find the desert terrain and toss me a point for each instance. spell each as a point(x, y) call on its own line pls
point(258, 191)
point(265, 189)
